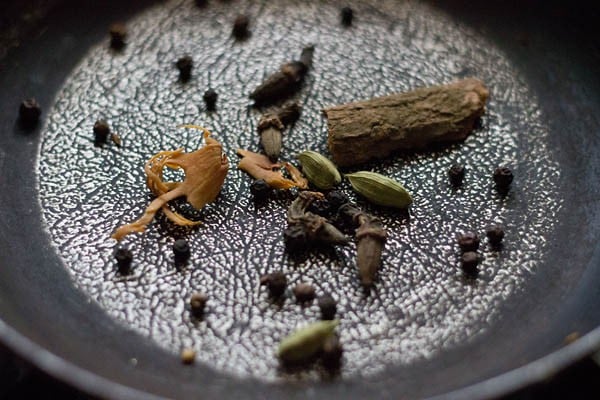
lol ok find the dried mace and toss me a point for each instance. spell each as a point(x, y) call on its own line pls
point(284, 82)
point(375, 128)
point(205, 172)
point(260, 167)
point(370, 236)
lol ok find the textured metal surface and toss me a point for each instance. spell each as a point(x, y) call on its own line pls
point(422, 306)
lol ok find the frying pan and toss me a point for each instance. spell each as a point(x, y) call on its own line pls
point(55, 319)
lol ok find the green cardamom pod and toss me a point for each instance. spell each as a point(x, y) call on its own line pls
point(319, 170)
point(380, 189)
point(305, 342)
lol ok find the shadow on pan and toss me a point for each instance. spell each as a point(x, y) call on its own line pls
point(45, 320)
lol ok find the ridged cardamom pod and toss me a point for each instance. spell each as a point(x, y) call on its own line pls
point(305, 342)
point(319, 170)
point(380, 189)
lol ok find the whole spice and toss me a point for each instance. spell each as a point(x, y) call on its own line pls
point(260, 167)
point(275, 283)
point(124, 258)
point(456, 174)
point(181, 251)
point(371, 237)
point(118, 34)
point(470, 260)
point(319, 170)
point(332, 352)
point(101, 132)
point(29, 112)
point(336, 199)
point(210, 98)
point(270, 130)
point(184, 65)
point(240, 27)
point(468, 241)
point(375, 128)
point(380, 189)
point(289, 113)
point(503, 177)
point(304, 292)
point(198, 304)
point(320, 207)
point(305, 342)
point(188, 356)
point(205, 170)
point(328, 307)
point(201, 3)
point(260, 190)
point(116, 139)
point(305, 228)
point(347, 15)
point(284, 82)
point(495, 234)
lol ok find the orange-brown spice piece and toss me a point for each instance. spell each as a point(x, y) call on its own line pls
point(260, 167)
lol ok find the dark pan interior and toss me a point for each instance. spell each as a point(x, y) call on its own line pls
point(53, 324)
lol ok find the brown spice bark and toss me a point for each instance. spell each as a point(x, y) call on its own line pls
point(375, 128)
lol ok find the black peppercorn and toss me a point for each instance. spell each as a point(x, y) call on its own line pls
point(181, 250)
point(210, 99)
point(198, 304)
point(320, 207)
point(503, 177)
point(470, 259)
point(468, 241)
point(124, 258)
point(495, 234)
point(240, 27)
point(328, 307)
point(260, 189)
point(101, 132)
point(184, 65)
point(456, 174)
point(275, 282)
point(201, 3)
point(336, 199)
point(118, 33)
point(347, 16)
point(29, 112)
point(304, 292)
point(331, 354)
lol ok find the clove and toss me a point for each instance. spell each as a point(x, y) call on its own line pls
point(305, 228)
point(370, 236)
point(284, 82)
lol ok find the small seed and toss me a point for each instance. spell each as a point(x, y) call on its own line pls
point(101, 132)
point(319, 170)
point(503, 177)
point(336, 199)
point(331, 355)
point(116, 139)
point(305, 342)
point(210, 99)
point(29, 112)
point(184, 65)
point(304, 292)
point(347, 16)
point(188, 356)
point(470, 260)
point(201, 3)
point(118, 34)
point(320, 207)
point(380, 189)
point(328, 307)
point(456, 174)
point(181, 250)
point(124, 258)
point(240, 27)
point(495, 235)
point(198, 304)
point(468, 241)
point(260, 190)
point(275, 282)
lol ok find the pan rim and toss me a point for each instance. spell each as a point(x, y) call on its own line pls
point(94, 384)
